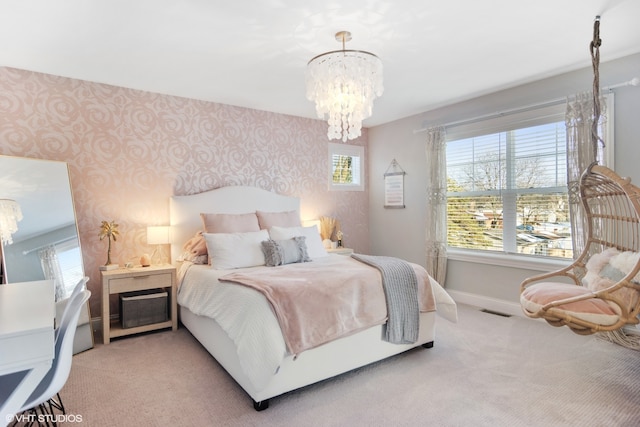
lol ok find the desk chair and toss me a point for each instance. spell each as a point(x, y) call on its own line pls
point(57, 376)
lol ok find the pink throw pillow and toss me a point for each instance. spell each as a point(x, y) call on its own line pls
point(278, 219)
point(230, 223)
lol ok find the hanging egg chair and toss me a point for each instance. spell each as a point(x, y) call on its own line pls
point(600, 290)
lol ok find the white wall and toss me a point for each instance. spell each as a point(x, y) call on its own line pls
point(400, 232)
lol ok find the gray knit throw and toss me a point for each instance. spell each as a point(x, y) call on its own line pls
point(400, 285)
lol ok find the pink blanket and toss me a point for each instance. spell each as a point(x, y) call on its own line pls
point(316, 303)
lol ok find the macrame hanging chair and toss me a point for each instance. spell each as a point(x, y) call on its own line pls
point(600, 290)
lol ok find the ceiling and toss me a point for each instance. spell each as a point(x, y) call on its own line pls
point(254, 53)
point(42, 189)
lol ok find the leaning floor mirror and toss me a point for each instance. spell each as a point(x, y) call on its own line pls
point(46, 245)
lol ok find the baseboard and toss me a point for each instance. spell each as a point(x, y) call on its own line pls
point(96, 322)
point(481, 301)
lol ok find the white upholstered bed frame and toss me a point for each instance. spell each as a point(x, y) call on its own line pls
point(310, 366)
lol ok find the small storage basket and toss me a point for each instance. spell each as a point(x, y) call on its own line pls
point(143, 308)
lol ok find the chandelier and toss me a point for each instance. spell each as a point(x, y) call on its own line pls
point(10, 214)
point(343, 84)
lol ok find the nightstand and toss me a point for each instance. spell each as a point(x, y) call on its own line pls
point(137, 279)
point(340, 251)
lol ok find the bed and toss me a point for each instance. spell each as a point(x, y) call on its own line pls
point(260, 361)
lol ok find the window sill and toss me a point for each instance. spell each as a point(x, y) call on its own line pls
point(507, 260)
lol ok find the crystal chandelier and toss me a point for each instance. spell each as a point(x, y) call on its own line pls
point(343, 84)
point(10, 214)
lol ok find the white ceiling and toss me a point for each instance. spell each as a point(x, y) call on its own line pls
point(42, 189)
point(254, 53)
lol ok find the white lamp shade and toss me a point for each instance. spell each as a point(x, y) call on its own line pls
point(158, 235)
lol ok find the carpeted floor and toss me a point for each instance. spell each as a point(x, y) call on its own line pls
point(486, 370)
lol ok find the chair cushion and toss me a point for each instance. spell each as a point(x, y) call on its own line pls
point(592, 310)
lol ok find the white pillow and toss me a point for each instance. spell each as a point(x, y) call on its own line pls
point(313, 240)
point(235, 250)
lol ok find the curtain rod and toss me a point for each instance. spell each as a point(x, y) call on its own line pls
point(633, 82)
point(57, 242)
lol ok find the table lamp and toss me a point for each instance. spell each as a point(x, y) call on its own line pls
point(158, 235)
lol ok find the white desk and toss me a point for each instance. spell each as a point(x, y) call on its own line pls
point(27, 313)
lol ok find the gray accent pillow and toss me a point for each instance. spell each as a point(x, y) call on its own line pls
point(281, 252)
point(612, 273)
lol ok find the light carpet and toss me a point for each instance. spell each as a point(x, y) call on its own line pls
point(486, 370)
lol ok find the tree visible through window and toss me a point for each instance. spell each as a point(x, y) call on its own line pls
point(342, 170)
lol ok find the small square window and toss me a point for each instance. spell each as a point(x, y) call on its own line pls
point(346, 167)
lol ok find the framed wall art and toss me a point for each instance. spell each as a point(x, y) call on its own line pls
point(394, 186)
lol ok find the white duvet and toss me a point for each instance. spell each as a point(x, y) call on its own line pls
point(246, 315)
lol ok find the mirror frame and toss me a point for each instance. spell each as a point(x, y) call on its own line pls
point(28, 182)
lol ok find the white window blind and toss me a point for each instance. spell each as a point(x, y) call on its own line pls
point(346, 169)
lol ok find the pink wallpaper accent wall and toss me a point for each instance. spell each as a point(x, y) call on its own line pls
point(129, 151)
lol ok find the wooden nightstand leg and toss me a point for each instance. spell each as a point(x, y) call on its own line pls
point(174, 304)
point(106, 317)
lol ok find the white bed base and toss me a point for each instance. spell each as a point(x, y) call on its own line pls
point(310, 366)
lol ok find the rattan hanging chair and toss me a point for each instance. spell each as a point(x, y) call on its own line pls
point(600, 290)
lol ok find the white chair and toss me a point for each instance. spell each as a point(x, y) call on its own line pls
point(57, 376)
point(80, 286)
point(56, 401)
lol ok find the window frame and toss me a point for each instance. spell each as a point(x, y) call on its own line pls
point(525, 117)
point(354, 151)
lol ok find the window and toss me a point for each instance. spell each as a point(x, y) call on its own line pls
point(507, 185)
point(70, 260)
point(346, 167)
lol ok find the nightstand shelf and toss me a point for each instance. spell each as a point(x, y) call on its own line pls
point(137, 279)
point(116, 329)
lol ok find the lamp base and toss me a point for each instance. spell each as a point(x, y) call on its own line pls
point(109, 267)
point(158, 257)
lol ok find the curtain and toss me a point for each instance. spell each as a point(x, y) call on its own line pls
point(52, 271)
point(580, 154)
point(436, 213)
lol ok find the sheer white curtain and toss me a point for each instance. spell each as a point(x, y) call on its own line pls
point(580, 154)
point(52, 271)
point(436, 215)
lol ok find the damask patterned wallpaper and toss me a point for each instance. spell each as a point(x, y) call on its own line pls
point(129, 151)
